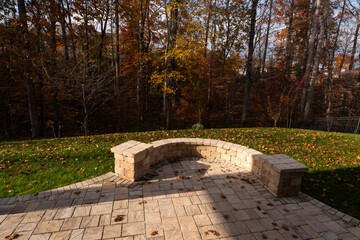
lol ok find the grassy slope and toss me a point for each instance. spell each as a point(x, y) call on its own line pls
point(333, 158)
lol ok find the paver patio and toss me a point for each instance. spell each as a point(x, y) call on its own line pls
point(188, 199)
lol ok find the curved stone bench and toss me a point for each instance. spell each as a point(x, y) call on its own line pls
point(280, 174)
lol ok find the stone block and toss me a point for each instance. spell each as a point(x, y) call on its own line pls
point(211, 149)
point(213, 142)
point(215, 155)
point(227, 146)
point(226, 157)
point(221, 150)
point(119, 156)
point(207, 142)
point(120, 148)
point(220, 144)
point(177, 153)
point(205, 153)
point(235, 147)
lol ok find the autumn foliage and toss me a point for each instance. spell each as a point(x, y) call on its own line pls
point(70, 67)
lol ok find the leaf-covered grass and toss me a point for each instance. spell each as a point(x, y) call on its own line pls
point(333, 158)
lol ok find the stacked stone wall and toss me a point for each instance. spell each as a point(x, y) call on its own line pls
point(280, 174)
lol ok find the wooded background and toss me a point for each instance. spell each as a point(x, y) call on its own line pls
point(79, 67)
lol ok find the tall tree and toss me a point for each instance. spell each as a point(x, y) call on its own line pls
point(249, 62)
point(172, 31)
point(315, 70)
point(117, 46)
point(314, 28)
point(329, 79)
point(31, 95)
point(267, 36)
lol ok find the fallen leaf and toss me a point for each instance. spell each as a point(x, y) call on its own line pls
point(248, 180)
point(12, 236)
point(154, 233)
point(214, 232)
point(119, 218)
point(285, 227)
point(142, 202)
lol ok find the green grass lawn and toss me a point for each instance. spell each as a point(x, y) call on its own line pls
point(333, 158)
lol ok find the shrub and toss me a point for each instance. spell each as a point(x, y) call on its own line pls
point(197, 126)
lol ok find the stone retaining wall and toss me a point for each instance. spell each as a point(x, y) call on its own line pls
point(280, 174)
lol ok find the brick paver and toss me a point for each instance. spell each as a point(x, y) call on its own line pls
point(187, 199)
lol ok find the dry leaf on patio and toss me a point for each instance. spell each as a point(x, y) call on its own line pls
point(248, 180)
point(12, 236)
point(142, 202)
point(294, 236)
point(154, 233)
point(285, 227)
point(77, 192)
point(214, 232)
point(119, 218)
point(286, 210)
point(264, 236)
point(184, 178)
point(223, 196)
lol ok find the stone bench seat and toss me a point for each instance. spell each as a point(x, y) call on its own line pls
point(280, 174)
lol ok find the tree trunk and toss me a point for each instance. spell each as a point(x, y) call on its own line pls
point(351, 66)
point(207, 27)
point(30, 88)
point(288, 44)
point(315, 70)
point(86, 113)
point(102, 37)
point(310, 55)
point(329, 79)
point(353, 50)
point(72, 33)
point(213, 39)
point(249, 62)
point(63, 30)
point(141, 76)
point(117, 48)
point(87, 43)
point(55, 115)
point(172, 27)
point(267, 37)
